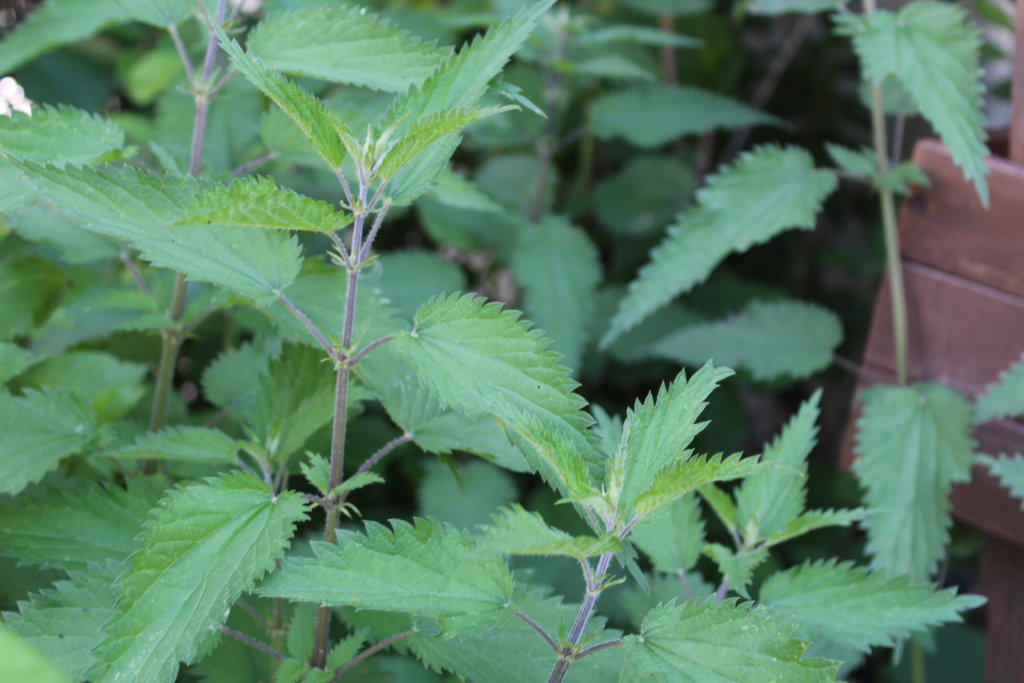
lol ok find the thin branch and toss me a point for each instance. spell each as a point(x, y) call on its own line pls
point(308, 324)
point(194, 323)
point(186, 62)
point(384, 450)
point(219, 85)
point(377, 222)
point(367, 653)
point(722, 588)
point(252, 612)
point(250, 165)
point(251, 642)
point(312, 498)
point(594, 648)
point(539, 629)
point(370, 347)
point(136, 275)
point(685, 582)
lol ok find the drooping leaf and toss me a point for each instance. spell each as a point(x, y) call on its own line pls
point(66, 622)
point(111, 386)
point(674, 537)
point(558, 268)
point(21, 661)
point(317, 123)
point(913, 443)
point(294, 399)
point(1004, 397)
point(40, 429)
point(456, 84)
point(1009, 470)
point(72, 527)
point(481, 360)
point(182, 443)
point(655, 115)
point(736, 565)
point(143, 209)
point(54, 24)
point(259, 202)
point(516, 531)
point(768, 501)
point(206, 544)
point(767, 191)
point(853, 606)
point(59, 136)
point(812, 520)
point(933, 51)
point(423, 569)
point(344, 45)
point(719, 641)
point(464, 496)
point(657, 434)
point(770, 339)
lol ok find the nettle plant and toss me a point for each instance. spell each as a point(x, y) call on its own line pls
point(343, 329)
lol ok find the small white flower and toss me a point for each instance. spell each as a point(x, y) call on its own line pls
point(247, 6)
point(12, 98)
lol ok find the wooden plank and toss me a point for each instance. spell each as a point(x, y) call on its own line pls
point(959, 332)
point(1004, 635)
point(947, 228)
point(983, 502)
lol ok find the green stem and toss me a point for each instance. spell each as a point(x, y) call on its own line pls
point(892, 246)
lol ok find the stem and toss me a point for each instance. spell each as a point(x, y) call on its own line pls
point(308, 324)
point(369, 652)
point(568, 652)
point(250, 165)
point(669, 73)
point(172, 336)
point(126, 259)
point(251, 642)
point(370, 347)
point(600, 646)
point(892, 247)
point(384, 450)
point(722, 588)
point(917, 668)
point(539, 629)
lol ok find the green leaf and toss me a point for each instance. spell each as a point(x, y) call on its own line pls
point(143, 208)
point(1004, 397)
point(812, 520)
point(258, 202)
point(30, 289)
point(932, 50)
point(59, 135)
point(232, 380)
point(184, 444)
point(683, 476)
point(70, 527)
point(644, 196)
point(317, 123)
point(516, 531)
point(111, 386)
point(724, 641)
point(737, 566)
point(454, 190)
point(773, 8)
point(770, 339)
point(853, 606)
point(427, 130)
point(160, 13)
point(672, 538)
point(14, 360)
point(295, 398)
point(558, 268)
point(457, 84)
point(1009, 470)
point(54, 24)
point(206, 544)
point(40, 429)
point(479, 359)
point(721, 504)
point(769, 500)
point(344, 45)
point(410, 277)
point(913, 443)
point(671, 7)
point(861, 163)
point(655, 115)
point(767, 191)
point(657, 434)
point(644, 35)
point(20, 661)
point(510, 651)
point(465, 495)
point(423, 569)
point(66, 622)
